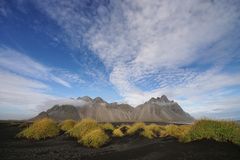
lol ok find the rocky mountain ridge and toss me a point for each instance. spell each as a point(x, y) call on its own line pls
point(158, 109)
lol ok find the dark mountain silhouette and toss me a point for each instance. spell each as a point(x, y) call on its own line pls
point(158, 109)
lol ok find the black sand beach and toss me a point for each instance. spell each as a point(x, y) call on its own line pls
point(137, 148)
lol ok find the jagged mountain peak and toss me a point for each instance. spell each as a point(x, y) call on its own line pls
point(162, 99)
point(98, 100)
point(89, 99)
point(85, 98)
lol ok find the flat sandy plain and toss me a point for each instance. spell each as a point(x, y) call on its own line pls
point(134, 148)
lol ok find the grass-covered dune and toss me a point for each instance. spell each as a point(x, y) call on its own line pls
point(40, 129)
point(92, 134)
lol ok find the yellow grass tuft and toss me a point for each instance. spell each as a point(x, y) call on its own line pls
point(95, 138)
point(82, 128)
point(107, 126)
point(117, 132)
point(121, 130)
point(176, 131)
point(151, 131)
point(90, 133)
point(136, 127)
point(67, 124)
point(40, 129)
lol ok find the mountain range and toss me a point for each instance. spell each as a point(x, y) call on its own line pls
point(158, 109)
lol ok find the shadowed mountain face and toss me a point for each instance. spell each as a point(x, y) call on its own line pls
point(158, 109)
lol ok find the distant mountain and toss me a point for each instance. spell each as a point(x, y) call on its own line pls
point(158, 109)
point(161, 109)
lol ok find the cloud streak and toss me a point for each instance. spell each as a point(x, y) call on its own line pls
point(17, 62)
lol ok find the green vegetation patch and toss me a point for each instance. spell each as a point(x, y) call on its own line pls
point(40, 129)
point(223, 131)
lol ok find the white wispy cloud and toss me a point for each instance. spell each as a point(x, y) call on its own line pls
point(63, 101)
point(152, 43)
point(73, 78)
point(24, 84)
point(4, 10)
point(18, 62)
point(22, 94)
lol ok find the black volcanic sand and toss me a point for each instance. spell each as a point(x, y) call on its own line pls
point(137, 148)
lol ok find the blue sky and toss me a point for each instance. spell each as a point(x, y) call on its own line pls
point(125, 51)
